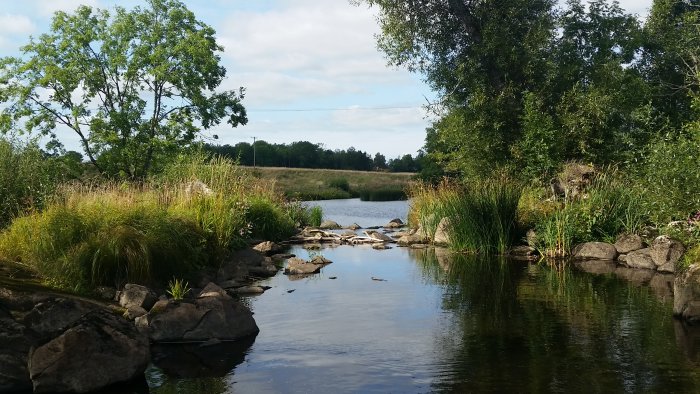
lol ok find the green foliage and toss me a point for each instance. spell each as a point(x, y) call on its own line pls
point(147, 232)
point(340, 183)
point(483, 215)
point(669, 178)
point(608, 208)
point(315, 216)
point(153, 71)
point(178, 289)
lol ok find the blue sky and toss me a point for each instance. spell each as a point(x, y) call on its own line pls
point(310, 67)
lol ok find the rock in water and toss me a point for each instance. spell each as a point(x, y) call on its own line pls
point(442, 233)
point(98, 350)
point(626, 243)
point(640, 259)
point(330, 225)
point(665, 252)
point(595, 250)
point(213, 314)
point(296, 266)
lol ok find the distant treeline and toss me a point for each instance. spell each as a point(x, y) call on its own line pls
point(304, 154)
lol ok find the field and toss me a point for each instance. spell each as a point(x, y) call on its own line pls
point(318, 184)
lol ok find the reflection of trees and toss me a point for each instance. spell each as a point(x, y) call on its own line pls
point(544, 328)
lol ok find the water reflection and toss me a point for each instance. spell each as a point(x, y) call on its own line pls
point(550, 328)
point(453, 323)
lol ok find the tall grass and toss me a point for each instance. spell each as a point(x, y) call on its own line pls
point(108, 234)
point(482, 215)
point(607, 208)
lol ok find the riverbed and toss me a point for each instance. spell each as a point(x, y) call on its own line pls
point(414, 321)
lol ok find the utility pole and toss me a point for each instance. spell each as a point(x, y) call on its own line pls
point(253, 152)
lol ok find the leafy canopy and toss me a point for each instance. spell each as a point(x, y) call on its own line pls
point(133, 85)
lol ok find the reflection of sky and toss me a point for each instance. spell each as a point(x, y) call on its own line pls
point(364, 213)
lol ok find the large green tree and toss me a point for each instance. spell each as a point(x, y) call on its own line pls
point(133, 85)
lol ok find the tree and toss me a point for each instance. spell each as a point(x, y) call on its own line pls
point(134, 86)
point(379, 162)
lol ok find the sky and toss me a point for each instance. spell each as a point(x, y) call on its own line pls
point(311, 70)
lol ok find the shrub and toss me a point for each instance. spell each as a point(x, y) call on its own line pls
point(340, 183)
point(482, 215)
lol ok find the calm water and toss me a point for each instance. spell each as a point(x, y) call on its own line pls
point(445, 323)
point(366, 214)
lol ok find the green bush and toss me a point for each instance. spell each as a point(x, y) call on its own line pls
point(383, 194)
point(483, 215)
point(340, 183)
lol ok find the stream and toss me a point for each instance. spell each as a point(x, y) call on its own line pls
point(414, 321)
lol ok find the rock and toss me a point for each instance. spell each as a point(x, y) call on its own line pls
point(598, 267)
point(98, 350)
point(409, 239)
point(354, 227)
point(686, 294)
point(249, 290)
point(15, 341)
point(523, 252)
point(320, 260)
point(380, 247)
point(133, 312)
point(297, 266)
point(212, 290)
point(266, 270)
point(105, 292)
point(626, 243)
point(238, 265)
point(228, 284)
point(666, 252)
point(531, 237)
point(640, 259)
point(330, 225)
point(282, 256)
point(595, 250)
point(442, 232)
point(52, 316)
point(378, 236)
point(205, 318)
point(394, 223)
point(137, 295)
point(268, 248)
point(622, 258)
point(668, 268)
point(418, 246)
point(198, 188)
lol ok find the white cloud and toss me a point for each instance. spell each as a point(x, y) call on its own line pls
point(48, 7)
point(16, 24)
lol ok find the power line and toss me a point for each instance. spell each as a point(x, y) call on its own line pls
point(329, 109)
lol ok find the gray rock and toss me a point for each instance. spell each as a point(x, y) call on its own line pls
point(228, 284)
point(212, 290)
point(666, 251)
point(106, 292)
point(595, 250)
point(378, 236)
point(380, 246)
point(394, 223)
point(268, 248)
point(410, 239)
point(640, 259)
point(15, 341)
point(52, 316)
point(330, 225)
point(686, 294)
point(203, 319)
point(626, 243)
point(523, 252)
point(137, 295)
point(668, 268)
point(133, 312)
point(297, 266)
point(354, 227)
point(442, 233)
point(249, 290)
point(320, 260)
point(98, 350)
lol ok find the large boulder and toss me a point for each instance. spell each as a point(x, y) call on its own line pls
point(374, 234)
point(395, 223)
point(15, 341)
point(53, 315)
point(330, 225)
point(134, 295)
point(297, 266)
point(268, 248)
point(640, 259)
point(442, 232)
point(98, 350)
point(213, 315)
point(595, 251)
point(626, 243)
point(410, 239)
point(665, 252)
point(686, 294)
